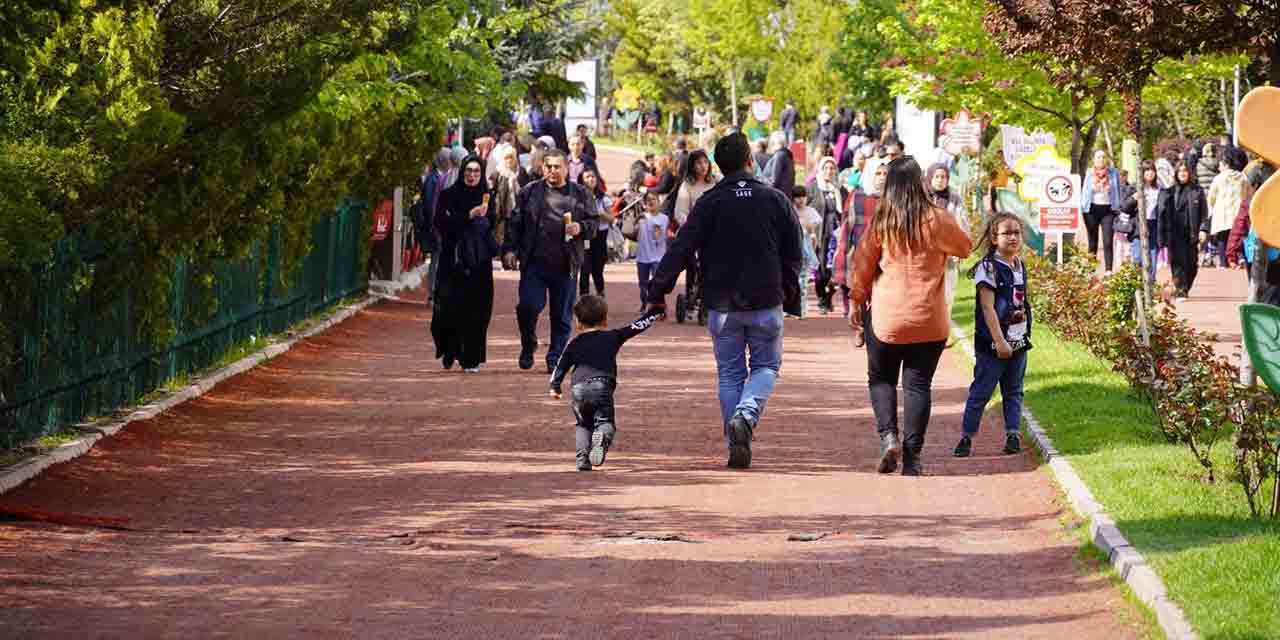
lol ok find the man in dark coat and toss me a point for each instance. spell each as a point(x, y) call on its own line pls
point(787, 122)
point(549, 254)
point(747, 239)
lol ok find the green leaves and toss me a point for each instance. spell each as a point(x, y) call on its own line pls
point(187, 127)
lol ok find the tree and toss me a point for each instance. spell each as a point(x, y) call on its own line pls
point(1124, 40)
point(728, 36)
point(863, 56)
point(801, 68)
point(944, 60)
point(186, 128)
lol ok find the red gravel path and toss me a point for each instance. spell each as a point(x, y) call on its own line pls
point(351, 488)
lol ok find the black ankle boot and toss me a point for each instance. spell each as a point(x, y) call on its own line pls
point(911, 463)
point(890, 450)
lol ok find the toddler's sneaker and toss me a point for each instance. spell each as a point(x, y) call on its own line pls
point(1012, 444)
point(583, 463)
point(600, 442)
point(963, 449)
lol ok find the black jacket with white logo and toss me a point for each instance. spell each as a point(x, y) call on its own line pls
point(746, 237)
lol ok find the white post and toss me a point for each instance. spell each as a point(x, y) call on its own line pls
point(1060, 236)
point(1235, 129)
point(733, 93)
point(397, 235)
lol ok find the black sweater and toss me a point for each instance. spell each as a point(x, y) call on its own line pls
point(594, 354)
point(747, 241)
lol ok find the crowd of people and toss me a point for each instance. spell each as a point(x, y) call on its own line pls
point(1196, 211)
point(754, 238)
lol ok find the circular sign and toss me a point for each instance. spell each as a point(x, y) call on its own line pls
point(1058, 190)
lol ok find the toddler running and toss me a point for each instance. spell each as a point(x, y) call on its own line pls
point(593, 358)
point(1002, 335)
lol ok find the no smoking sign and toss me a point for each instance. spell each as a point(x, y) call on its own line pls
point(1059, 204)
point(1059, 191)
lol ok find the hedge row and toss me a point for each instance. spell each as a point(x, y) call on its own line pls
point(1194, 393)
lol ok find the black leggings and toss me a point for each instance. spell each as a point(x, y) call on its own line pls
point(917, 363)
point(1101, 217)
point(594, 259)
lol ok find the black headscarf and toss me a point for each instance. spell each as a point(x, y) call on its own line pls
point(459, 198)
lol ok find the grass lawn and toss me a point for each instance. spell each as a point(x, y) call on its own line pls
point(1219, 564)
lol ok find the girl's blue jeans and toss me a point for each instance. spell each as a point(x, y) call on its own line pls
point(988, 372)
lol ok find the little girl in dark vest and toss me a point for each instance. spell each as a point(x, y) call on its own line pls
point(1002, 335)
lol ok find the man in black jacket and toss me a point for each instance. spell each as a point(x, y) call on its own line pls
point(747, 239)
point(787, 122)
point(549, 253)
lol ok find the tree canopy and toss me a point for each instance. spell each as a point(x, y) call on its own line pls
point(187, 128)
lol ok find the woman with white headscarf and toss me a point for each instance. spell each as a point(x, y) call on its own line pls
point(826, 196)
point(505, 181)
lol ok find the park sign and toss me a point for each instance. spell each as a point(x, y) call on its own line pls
point(1018, 144)
point(761, 108)
point(962, 135)
point(1037, 167)
point(1059, 203)
point(701, 119)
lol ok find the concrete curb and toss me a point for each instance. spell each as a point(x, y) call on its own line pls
point(1103, 532)
point(14, 476)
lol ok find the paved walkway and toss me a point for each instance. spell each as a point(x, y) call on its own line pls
point(351, 488)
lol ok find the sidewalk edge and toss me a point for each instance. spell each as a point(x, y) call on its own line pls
point(15, 476)
point(1128, 562)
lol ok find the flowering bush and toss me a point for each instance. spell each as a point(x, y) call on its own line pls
point(1194, 393)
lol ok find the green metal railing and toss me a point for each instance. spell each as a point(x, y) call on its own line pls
point(82, 357)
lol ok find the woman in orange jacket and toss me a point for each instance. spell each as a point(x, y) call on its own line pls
point(900, 266)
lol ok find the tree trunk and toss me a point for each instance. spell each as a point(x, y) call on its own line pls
point(1133, 119)
point(1177, 122)
point(733, 92)
point(1273, 62)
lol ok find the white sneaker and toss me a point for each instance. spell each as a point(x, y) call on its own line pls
point(472, 370)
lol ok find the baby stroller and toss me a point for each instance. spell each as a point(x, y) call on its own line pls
point(689, 304)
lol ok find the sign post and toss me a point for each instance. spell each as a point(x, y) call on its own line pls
point(1059, 205)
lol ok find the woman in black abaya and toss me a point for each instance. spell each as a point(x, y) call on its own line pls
point(464, 292)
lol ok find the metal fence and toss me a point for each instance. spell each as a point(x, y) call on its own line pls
point(83, 357)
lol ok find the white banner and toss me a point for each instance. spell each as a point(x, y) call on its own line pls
point(1018, 143)
point(578, 110)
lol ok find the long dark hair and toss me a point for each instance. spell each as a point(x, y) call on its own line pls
point(600, 188)
point(688, 174)
point(986, 244)
point(904, 208)
point(1146, 166)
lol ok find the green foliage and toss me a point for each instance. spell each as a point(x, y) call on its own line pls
point(165, 128)
point(1194, 393)
point(1219, 564)
point(811, 81)
point(863, 57)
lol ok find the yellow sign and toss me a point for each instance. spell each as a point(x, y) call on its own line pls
point(626, 98)
point(1038, 167)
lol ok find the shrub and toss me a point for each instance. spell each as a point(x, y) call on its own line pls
point(1194, 393)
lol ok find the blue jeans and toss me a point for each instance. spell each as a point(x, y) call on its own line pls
point(1153, 251)
point(745, 385)
point(536, 286)
point(987, 373)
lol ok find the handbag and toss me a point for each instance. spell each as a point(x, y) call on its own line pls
point(615, 240)
point(630, 228)
point(1123, 224)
